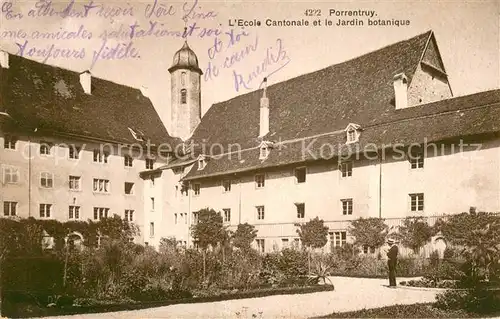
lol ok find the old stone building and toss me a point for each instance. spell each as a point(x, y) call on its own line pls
point(380, 135)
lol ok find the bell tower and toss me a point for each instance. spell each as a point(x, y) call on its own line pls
point(185, 78)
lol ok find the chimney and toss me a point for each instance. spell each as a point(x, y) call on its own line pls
point(4, 59)
point(85, 81)
point(401, 91)
point(264, 112)
point(144, 91)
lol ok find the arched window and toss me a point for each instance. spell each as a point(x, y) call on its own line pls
point(183, 78)
point(183, 96)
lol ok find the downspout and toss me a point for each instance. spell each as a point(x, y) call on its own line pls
point(239, 203)
point(189, 214)
point(29, 176)
point(380, 186)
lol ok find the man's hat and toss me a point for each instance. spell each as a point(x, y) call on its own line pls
point(390, 241)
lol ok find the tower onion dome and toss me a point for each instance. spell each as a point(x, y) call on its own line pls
point(185, 58)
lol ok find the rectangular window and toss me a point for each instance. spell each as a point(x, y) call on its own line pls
point(417, 202)
point(11, 175)
point(260, 180)
point(10, 142)
point(129, 215)
point(185, 218)
point(260, 212)
point(100, 212)
point(74, 182)
point(227, 185)
point(416, 161)
point(346, 206)
point(149, 163)
point(152, 203)
point(346, 169)
point(175, 218)
point(74, 152)
point(264, 152)
point(227, 215)
point(151, 229)
point(261, 245)
point(301, 210)
point(296, 243)
point(195, 217)
point(9, 208)
point(196, 189)
point(128, 161)
point(368, 249)
point(101, 185)
point(74, 212)
point(129, 188)
point(300, 175)
point(183, 96)
point(46, 180)
point(351, 136)
point(284, 242)
point(45, 210)
point(45, 148)
point(338, 238)
point(100, 157)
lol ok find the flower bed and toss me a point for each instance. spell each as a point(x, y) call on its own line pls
point(23, 309)
point(404, 311)
point(426, 283)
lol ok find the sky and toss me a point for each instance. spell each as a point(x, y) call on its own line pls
point(467, 33)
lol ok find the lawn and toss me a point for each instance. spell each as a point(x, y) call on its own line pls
point(420, 310)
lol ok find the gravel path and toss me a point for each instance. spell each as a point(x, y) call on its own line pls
point(350, 294)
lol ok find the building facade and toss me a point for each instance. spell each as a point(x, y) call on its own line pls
point(380, 135)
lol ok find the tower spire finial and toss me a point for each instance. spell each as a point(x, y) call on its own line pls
point(185, 29)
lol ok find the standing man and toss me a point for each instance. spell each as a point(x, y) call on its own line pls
point(392, 256)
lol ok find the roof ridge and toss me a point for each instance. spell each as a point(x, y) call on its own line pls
point(436, 114)
point(294, 140)
point(72, 71)
point(327, 67)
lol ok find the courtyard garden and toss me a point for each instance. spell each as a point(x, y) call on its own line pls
point(110, 273)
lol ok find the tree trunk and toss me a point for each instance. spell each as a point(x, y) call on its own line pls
point(204, 265)
point(223, 246)
point(65, 266)
point(309, 261)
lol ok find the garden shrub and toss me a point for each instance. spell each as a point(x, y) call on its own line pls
point(293, 263)
point(446, 270)
point(369, 232)
point(475, 300)
point(270, 269)
point(240, 270)
point(415, 233)
point(410, 267)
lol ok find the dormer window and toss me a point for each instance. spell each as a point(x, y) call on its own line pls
point(202, 162)
point(352, 133)
point(183, 96)
point(137, 135)
point(187, 147)
point(264, 152)
point(351, 136)
point(265, 149)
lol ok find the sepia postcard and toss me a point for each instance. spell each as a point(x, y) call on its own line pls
point(249, 159)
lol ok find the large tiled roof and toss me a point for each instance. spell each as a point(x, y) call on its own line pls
point(318, 106)
point(472, 115)
point(51, 99)
point(358, 91)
